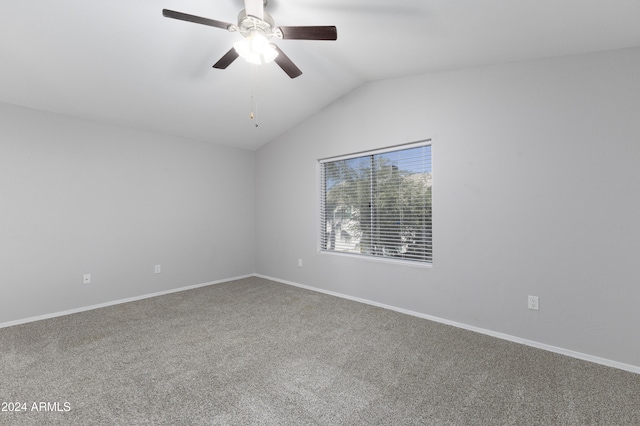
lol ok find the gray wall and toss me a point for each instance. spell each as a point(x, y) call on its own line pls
point(79, 197)
point(536, 192)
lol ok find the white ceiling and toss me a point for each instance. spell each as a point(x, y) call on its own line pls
point(121, 62)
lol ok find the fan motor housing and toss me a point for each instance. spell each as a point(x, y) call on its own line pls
point(248, 24)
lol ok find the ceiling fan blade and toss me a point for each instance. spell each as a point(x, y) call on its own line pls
point(227, 59)
point(254, 8)
point(310, 33)
point(197, 19)
point(287, 64)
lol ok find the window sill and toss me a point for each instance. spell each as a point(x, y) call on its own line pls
point(387, 260)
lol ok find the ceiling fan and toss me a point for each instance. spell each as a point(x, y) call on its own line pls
point(257, 27)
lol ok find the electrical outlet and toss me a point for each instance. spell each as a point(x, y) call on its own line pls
point(300, 263)
point(534, 303)
point(86, 279)
point(158, 269)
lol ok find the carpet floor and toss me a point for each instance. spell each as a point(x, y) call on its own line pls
point(256, 352)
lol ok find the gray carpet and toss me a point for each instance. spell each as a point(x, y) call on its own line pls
point(258, 352)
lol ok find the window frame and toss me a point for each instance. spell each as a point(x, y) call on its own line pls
point(321, 223)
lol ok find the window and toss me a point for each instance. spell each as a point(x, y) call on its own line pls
point(378, 203)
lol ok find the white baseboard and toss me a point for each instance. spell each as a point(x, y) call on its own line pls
point(117, 302)
point(538, 345)
point(561, 351)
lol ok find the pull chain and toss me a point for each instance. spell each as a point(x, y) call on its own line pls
point(254, 102)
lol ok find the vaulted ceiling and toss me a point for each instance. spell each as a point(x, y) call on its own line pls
point(121, 62)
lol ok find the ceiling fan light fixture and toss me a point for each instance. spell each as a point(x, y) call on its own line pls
point(256, 49)
point(257, 27)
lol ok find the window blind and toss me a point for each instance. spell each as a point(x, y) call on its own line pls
point(378, 203)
